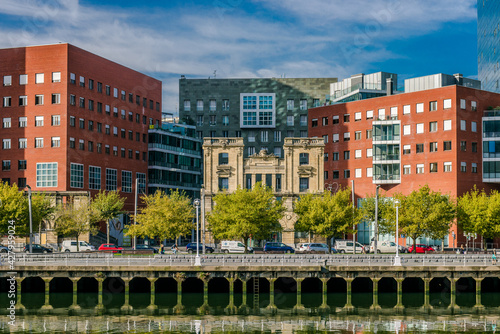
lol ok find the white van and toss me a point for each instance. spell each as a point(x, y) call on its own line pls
point(346, 246)
point(70, 246)
point(227, 246)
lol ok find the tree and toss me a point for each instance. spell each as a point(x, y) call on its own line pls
point(164, 216)
point(41, 209)
point(386, 213)
point(246, 213)
point(74, 219)
point(107, 206)
point(479, 213)
point(13, 207)
point(425, 213)
point(327, 215)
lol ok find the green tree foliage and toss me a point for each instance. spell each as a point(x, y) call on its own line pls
point(425, 213)
point(386, 213)
point(246, 213)
point(107, 206)
point(41, 209)
point(479, 213)
point(327, 215)
point(74, 219)
point(164, 216)
point(14, 206)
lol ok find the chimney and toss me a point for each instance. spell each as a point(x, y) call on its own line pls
point(459, 79)
point(389, 86)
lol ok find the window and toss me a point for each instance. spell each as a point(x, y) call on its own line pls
point(463, 145)
point(463, 125)
point(335, 138)
point(199, 105)
point(335, 120)
point(289, 133)
point(126, 181)
point(420, 108)
point(76, 175)
point(381, 114)
point(38, 120)
point(187, 105)
point(99, 147)
point(108, 90)
point(72, 99)
point(303, 120)
point(91, 105)
point(447, 166)
point(303, 104)
point(7, 123)
point(23, 79)
point(407, 149)
point(304, 159)
point(55, 142)
point(474, 167)
point(447, 146)
point(406, 109)
point(213, 120)
point(38, 100)
point(347, 155)
point(447, 104)
point(369, 172)
point(223, 183)
point(90, 146)
point(463, 104)
point(420, 148)
point(406, 130)
point(473, 105)
point(71, 142)
point(130, 135)
point(289, 104)
point(225, 105)
point(303, 184)
point(433, 126)
point(7, 101)
point(420, 127)
point(369, 152)
point(335, 174)
point(21, 164)
point(433, 106)
point(82, 102)
point(473, 126)
point(357, 116)
point(225, 120)
point(38, 142)
point(335, 156)
point(420, 168)
point(433, 147)
point(406, 169)
point(346, 118)
point(474, 147)
point(23, 100)
point(223, 158)
point(447, 125)
point(290, 120)
point(23, 122)
point(347, 136)
point(91, 126)
point(82, 81)
point(463, 167)
point(277, 136)
point(264, 136)
point(251, 136)
point(107, 129)
point(347, 173)
point(56, 98)
point(316, 103)
point(99, 87)
point(115, 92)
point(81, 123)
point(94, 177)
point(357, 154)
point(277, 152)
point(357, 135)
point(111, 182)
point(46, 174)
point(433, 167)
point(369, 114)
point(91, 84)
point(5, 165)
point(369, 133)
point(251, 150)
point(325, 139)
point(7, 80)
point(81, 144)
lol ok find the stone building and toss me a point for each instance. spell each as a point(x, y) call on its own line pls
point(300, 171)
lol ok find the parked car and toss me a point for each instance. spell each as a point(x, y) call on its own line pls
point(278, 247)
point(191, 248)
point(36, 248)
point(227, 246)
point(146, 247)
point(316, 248)
point(387, 247)
point(346, 246)
point(71, 246)
point(109, 248)
point(421, 248)
point(4, 249)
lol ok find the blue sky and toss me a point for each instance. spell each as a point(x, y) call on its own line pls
point(255, 38)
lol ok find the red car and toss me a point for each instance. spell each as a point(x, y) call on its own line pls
point(421, 248)
point(110, 247)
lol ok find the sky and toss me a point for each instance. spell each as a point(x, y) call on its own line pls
point(255, 38)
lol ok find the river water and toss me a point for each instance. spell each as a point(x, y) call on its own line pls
point(191, 317)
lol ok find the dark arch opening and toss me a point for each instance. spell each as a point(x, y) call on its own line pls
point(33, 292)
point(8, 290)
point(285, 292)
point(439, 292)
point(113, 292)
point(218, 293)
point(312, 288)
point(336, 289)
point(88, 289)
point(413, 292)
point(262, 300)
point(140, 292)
point(387, 292)
point(192, 293)
point(61, 292)
point(166, 292)
point(238, 292)
point(466, 292)
point(490, 292)
point(362, 292)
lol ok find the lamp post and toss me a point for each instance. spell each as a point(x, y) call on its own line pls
point(197, 261)
point(30, 217)
point(397, 259)
point(135, 209)
point(375, 238)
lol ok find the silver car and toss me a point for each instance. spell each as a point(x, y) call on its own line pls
point(316, 247)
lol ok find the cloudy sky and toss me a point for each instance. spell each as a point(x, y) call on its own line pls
point(255, 38)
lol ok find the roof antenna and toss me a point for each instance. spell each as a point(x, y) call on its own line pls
point(215, 74)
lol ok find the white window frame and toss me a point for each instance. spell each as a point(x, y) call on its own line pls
point(419, 108)
point(420, 128)
point(447, 125)
point(369, 114)
point(357, 116)
point(56, 76)
point(358, 173)
point(473, 126)
point(406, 130)
point(447, 104)
point(39, 78)
point(358, 154)
point(406, 109)
point(463, 104)
point(463, 125)
point(447, 167)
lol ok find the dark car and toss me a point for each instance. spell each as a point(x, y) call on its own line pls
point(110, 247)
point(146, 247)
point(278, 247)
point(4, 249)
point(36, 248)
point(421, 248)
point(191, 248)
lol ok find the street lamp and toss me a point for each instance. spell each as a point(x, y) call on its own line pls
point(397, 259)
point(31, 218)
point(197, 261)
point(375, 239)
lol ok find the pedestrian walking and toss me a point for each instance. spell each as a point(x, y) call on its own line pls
point(161, 248)
point(494, 257)
point(175, 249)
point(462, 249)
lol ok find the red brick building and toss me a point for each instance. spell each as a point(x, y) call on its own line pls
point(402, 142)
point(74, 121)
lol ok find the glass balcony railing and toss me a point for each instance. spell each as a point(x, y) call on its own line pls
point(174, 166)
point(174, 183)
point(386, 157)
point(174, 149)
point(386, 138)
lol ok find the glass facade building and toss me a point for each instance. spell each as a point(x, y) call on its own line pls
point(488, 39)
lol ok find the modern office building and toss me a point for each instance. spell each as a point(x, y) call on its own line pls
point(74, 121)
point(402, 142)
point(261, 111)
point(175, 159)
point(364, 86)
point(299, 172)
point(488, 44)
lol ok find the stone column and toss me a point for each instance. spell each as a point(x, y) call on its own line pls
point(244, 292)
point(271, 293)
point(478, 292)
point(299, 293)
point(47, 305)
point(375, 304)
point(126, 306)
point(399, 292)
point(100, 282)
point(230, 307)
point(19, 304)
point(324, 291)
point(427, 304)
point(203, 309)
point(152, 305)
point(75, 305)
point(453, 289)
point(348, 304)
point(179, 307)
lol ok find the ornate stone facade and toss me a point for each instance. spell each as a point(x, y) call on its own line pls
point(299, 172)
